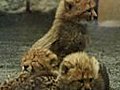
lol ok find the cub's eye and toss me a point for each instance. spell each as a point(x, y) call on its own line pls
point(64, 69)
point(89, 10)
point(81, 81)
point(91, 79)
point(68, 5)
point(53, 62)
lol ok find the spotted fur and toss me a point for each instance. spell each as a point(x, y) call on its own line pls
point(37, 60)
point(79, 71)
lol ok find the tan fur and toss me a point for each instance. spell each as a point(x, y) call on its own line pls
point(67, 21)
point(81, 69)
point(38, 72)
point(76, 70)
point(80, 6)
point(61, 12)
point(37, 60)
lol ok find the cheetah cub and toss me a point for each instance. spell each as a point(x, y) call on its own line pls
point(78, 71)
point(37, 60)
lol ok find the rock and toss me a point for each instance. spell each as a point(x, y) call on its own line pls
point(17, 6)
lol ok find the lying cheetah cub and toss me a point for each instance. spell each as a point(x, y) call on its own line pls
point(37, 60)
point(78, 71)
point(26, 81)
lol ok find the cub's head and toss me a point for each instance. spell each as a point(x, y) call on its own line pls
point(76, 8)
point(79, 70)
point(37, 60)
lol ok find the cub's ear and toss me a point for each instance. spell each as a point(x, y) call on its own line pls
point(92, 3)
point(68, 5)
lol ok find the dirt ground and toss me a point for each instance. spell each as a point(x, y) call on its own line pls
point(19, 31)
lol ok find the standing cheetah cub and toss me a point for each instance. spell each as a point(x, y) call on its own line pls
point(80, 71)
point(37, 60)
point(68, 34)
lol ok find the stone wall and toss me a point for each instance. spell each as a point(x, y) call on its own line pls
point(109, 10)
point(16, 6)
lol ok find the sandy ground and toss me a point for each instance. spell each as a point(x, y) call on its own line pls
point(19, 31)
point(106, 47)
